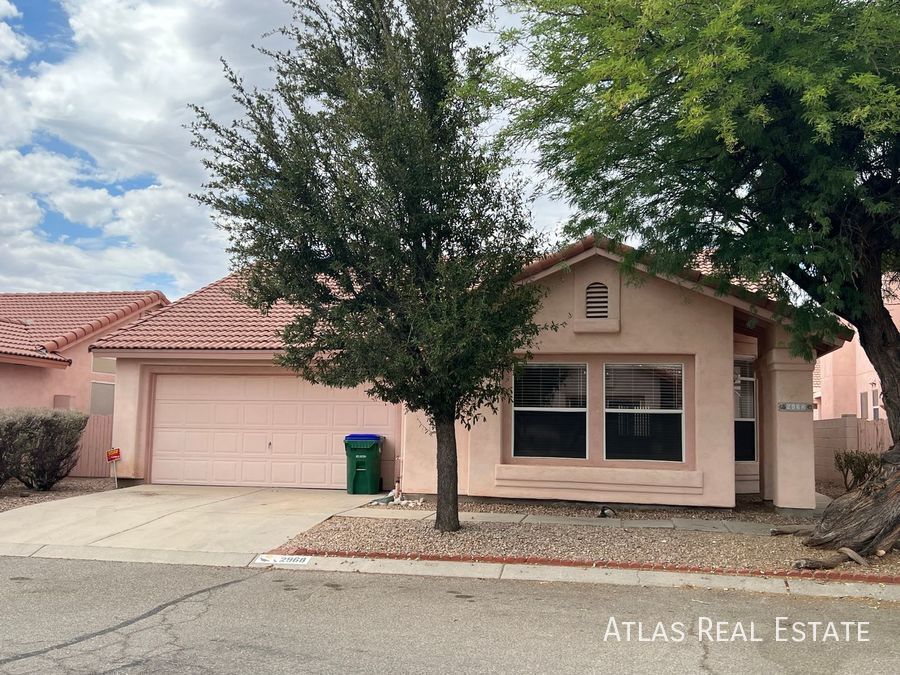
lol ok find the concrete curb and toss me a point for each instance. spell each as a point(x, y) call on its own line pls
point(818, 575)
point(597, 575)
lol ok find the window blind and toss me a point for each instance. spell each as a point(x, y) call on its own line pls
point(539, 385)
point(643, 387)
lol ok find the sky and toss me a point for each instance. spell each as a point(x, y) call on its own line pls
point(96, 166)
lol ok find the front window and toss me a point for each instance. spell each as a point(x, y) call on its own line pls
point(644, 411)
point(550, 411)
point(744, 411)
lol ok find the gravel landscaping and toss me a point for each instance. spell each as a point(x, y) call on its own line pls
point(750, 508)
point(410, 538)
point(14, 494)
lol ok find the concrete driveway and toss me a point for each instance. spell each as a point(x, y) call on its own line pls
point(169, 523)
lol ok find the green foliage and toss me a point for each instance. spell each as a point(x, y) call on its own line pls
point(764, 131)
point(359, 187)
point(39, 446)
point(856, 466)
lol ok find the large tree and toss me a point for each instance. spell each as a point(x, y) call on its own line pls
point(764, 131)
point(360, 188)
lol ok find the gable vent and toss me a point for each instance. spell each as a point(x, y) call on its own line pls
point(597, 301)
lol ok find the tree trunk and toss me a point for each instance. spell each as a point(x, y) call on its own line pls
point(447, 519)
point(867, 519)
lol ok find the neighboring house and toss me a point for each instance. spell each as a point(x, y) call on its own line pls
point(44, 340)
point(658, 393)
point(846, 382)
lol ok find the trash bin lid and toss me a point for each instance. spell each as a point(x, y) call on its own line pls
point(362, 437)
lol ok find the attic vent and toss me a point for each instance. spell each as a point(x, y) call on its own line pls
point(596, 301)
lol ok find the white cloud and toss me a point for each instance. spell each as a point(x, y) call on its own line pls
point(120, 96)
point(8, 10)
point(13, 46)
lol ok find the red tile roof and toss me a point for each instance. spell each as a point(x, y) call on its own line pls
point(213, 319)
point(701, 271)
point(210, 318)
point(37, 325)
point(16, 339)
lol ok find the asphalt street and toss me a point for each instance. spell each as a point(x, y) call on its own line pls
point(85, 616)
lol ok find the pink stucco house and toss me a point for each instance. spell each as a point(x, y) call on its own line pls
point(44, 340)
point(659, 393)
point(846, 382)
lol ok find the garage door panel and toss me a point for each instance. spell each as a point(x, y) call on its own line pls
point(285, 414)
point(196, 471)
point(347, 416)
point(284, 473)
point(315, 474)
point(260, 430)
point(198, 413)
point(257, 414)
point(316, 415)
point(168, 414)
point(226, 442)
point(198, 441)
point(228, 414)
point(254, 443)
point(313, 444)
point(169, 441)
point(254, 472)
point(285, 443)
point(165, 470)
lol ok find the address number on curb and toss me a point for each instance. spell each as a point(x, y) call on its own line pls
point(273, 559)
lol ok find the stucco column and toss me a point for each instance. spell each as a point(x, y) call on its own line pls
point(787, 471)
point(127, 420)
point(486, 452)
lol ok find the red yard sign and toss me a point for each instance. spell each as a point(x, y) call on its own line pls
point(113, 455)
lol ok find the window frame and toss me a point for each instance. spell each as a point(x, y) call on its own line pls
point(755, 420)
point(585, 410)
point(650, 411)
point(876, 404)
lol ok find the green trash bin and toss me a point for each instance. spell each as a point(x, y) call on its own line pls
point(363, 463)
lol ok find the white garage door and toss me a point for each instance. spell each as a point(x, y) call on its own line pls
point(260, 430)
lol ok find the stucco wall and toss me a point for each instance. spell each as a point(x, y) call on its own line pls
point(29, 386)
point(656, 320)
point(846, 372)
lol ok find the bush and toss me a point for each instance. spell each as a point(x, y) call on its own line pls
point(856, 467)
point(8, 450)
point(40, 445)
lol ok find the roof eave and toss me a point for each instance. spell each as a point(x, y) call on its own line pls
point(34, 361)
point(196, 353)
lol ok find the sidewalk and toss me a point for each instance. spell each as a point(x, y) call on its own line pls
point(684, 524)
point(801, 585)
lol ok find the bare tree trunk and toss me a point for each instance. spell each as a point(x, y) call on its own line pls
point(867, 520)
point(447, 518)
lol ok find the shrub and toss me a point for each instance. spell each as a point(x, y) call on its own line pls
point(41, 444)
point(8, 450)
point(856, 467)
